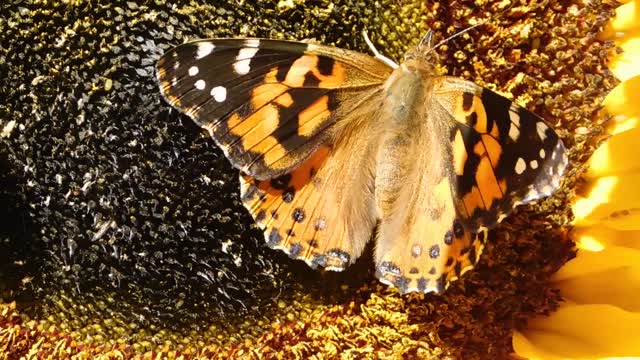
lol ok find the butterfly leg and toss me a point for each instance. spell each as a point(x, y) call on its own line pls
point(376, 53)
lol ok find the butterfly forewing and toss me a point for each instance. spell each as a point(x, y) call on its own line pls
point(268, 104)
point(503, 154)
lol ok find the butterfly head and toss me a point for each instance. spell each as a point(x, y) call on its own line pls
point(424, 49)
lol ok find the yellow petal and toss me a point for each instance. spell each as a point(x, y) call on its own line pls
point(599, 237)
point(614, 156)
point(611, 276)
point(581, 332)
point(625, 65)
point(625, 30)
point(598, 195)
point(613, 201)
point(624, 219)
point(627, 17)
point(623, 99)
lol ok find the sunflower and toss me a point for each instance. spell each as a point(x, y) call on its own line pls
point(296, 316)
point(600, 317)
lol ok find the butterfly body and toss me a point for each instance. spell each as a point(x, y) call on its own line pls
point(334, 144)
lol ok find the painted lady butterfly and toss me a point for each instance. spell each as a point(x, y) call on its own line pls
point(332, 143)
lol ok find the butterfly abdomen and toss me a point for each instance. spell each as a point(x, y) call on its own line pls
point(411, 147)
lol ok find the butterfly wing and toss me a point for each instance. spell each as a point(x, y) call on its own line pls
point(323, 212)
point(295, 118)
point(453, 173)
point(503, 154)
point(268, 104)
point(422, 246)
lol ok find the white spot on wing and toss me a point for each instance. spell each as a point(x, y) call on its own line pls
point(513, 115)
point(200, 84)
point(416, 250)
point(520, 166)
point(241, 66)
point(533, 164)
point(541, 128)
point(219, 93)
point(514, 133)
point(204, 49)
point(542, 154)
point(193, 71)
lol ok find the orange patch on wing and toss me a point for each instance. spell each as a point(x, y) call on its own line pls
point(272, 151)
point(493, 148)
point(335, 79)
point(503, 185)
point(481, 123)
point(495, 132)
point(459, 154)
point(473, 200)
point(255, 132)
point(487, 183)
point(313, 116)
point(234, 120)
point(257, 126)
point(479, 149)
point(284, 100)
point(278, 212)
point(477, 108)
point(271, 75)
point(266, 93)
point(270, 90)
point(314, 162)
point(309, 64)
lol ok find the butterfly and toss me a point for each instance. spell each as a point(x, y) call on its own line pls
point(336, 147)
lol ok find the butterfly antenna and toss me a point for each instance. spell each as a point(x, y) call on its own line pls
point(455, 35)
point(376, 53)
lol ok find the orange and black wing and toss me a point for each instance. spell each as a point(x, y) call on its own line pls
point(503, 155)
point(268, 104)
point(323, 212)
point(295, 118)
point(496, 154)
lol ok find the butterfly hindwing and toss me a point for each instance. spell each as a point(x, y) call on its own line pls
point(503, 155)
point(422, 246)
point(323, 212)
point(268, 104)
